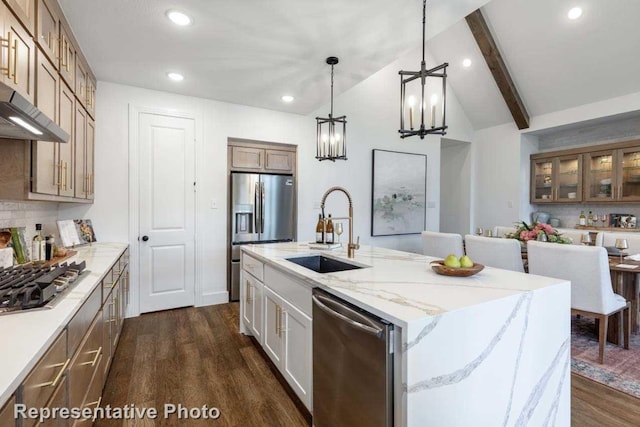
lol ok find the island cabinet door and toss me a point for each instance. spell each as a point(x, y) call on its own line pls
point(273, 326)
point(256, 301)
point(246, 301)
point(297, 357)
point(6, 413)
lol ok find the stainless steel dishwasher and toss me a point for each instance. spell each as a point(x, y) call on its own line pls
point(352, 365)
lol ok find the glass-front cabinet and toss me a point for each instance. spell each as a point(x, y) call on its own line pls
point(556, 179)
point(600, 176)
point(613, 175)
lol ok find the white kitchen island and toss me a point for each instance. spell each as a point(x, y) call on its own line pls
point(488, 350)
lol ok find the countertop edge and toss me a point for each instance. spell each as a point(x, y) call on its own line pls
point(33, 361)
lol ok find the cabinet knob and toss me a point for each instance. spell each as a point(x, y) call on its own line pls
point(145, 238)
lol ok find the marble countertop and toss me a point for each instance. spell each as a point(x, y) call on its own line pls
point(27, 336)
point(399, 286)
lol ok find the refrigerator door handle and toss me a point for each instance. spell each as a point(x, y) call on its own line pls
point(256, 207)
point(262, 207)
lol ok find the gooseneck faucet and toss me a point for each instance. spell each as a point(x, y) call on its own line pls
point(351, 248)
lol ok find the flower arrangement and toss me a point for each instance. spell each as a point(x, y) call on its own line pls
point(525, 232)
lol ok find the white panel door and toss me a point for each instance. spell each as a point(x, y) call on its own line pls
point(167, 212)
point(272, 343)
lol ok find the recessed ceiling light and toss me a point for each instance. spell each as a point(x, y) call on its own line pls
point(177, 77)
point(179, 18)
point(466, 63)
point(287, 98)
point(575, 13)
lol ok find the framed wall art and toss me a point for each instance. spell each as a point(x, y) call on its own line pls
point(399, 193)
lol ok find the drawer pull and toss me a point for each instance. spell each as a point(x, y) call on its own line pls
point(97, 403)
point(56, 380)
point(95, 359)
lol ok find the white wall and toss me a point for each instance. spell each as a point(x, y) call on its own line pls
point(501, 160)
point(372, 113)
point(372, 110)
point(455, 187)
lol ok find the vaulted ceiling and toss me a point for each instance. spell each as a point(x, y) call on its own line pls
point(253, 52)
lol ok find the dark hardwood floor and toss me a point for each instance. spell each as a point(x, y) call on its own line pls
point(196, 357)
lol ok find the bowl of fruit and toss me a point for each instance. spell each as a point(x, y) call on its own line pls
point(457, 267)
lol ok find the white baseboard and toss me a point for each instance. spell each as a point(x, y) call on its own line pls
point(212, 298)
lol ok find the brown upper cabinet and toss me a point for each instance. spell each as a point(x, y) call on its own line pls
point(18, 55)
point(262, 160)
point(67, 64)
point(25, 10)
point(47, 22)
point(81, 82)
point(91, 95)
point(604, 173)
point(557, 179)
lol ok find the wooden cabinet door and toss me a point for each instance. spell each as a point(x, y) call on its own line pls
point(47, 30)
point(568, 179)
point(81, 82)
point(247, 158)
point(107, 350)
point(272, 326)
point(297, 357)
point(81, 180)
point(542, 180)
point(21, 58)
point(628, 174)
point(46, 168)
point(90, 136)
point(25, 11)
point(85, 363)
point(278, 161)
point(58, 400)
point(65, 151)
point(67, 64)
point(6, 413)
point(600, 176)
point(91, 95)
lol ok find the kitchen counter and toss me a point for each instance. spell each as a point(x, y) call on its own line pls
point(28, 335)
point(491, 349)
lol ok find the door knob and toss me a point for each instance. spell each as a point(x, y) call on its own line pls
point(145, 238)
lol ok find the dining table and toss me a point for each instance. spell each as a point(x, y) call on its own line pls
point(624, 279)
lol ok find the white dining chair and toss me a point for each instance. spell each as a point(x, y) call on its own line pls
point(573, 234)
point(495, 252)
point(609, 239)
point(440, 245)
point(587, 267)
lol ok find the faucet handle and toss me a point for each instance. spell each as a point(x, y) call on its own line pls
point(357, 245)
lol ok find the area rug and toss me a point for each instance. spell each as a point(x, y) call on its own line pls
point(621, 368)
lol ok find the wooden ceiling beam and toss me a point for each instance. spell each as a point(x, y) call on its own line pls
point(489, 49)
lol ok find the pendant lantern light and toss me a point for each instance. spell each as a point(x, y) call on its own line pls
point(436, 102)
point(332, 131)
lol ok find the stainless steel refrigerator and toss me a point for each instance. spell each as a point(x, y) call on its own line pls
point(262, 211)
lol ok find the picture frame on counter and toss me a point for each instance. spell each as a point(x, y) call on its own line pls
point(399, 193)
point(76, 232)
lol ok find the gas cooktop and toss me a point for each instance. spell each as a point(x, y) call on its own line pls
point(33, 286)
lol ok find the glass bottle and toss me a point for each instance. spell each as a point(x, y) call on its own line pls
point(590, 219)
point(329, 236)
point(38, 245)
point(320, 229)
point(582, 219)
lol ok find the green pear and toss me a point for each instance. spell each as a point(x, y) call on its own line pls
point(466, 262)
point(452, 261)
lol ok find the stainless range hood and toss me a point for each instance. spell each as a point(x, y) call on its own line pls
point(19, 119)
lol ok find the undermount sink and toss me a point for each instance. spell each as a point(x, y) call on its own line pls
point(323, 264)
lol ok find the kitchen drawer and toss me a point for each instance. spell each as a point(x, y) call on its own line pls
point(85, 363)
point(6, 413)
point(82, 320)
point(39, 386)
point(106, 334)
point(59, 400)
point(253, 266)
point(108, 286)
point(297, 294)
point(93, 398)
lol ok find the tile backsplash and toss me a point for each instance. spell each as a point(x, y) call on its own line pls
point(28, 214)
point(568, 214)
